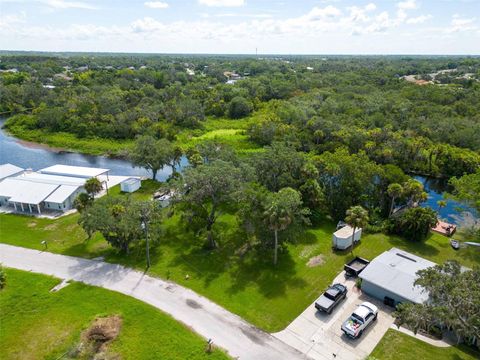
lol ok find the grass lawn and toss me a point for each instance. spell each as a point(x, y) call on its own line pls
point(247, 284)
point(227, 131)
point(67, 141)
point(398, 346)
point(38, 324)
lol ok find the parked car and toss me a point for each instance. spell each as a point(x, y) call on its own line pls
point(331, 298)
point(364, 315)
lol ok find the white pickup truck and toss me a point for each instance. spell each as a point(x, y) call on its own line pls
point(365, 314)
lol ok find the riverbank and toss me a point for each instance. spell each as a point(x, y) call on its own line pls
point(65, 142)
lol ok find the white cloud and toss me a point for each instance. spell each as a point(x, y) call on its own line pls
point(320, 29)
point(222, 3)
point(64, 4)
point(459, 24)
point(419, 19)
point(407, 5)
point(156, 4)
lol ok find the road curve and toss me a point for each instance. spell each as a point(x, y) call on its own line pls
point(241, 339)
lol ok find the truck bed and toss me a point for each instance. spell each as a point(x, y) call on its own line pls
point(356, 266)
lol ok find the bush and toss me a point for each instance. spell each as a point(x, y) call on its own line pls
point(358, 283)
point(239, 107)
point(414, 224)
point(3, 277)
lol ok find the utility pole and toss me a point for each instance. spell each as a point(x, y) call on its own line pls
point(145, 221)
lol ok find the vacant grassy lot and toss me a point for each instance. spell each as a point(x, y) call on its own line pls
point(397, 346)
point(38, 324)
point(244, 282)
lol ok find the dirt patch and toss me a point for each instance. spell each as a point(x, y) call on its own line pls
point(32, 224)
point(51, 226)
point(95, 340)
point(315, 261)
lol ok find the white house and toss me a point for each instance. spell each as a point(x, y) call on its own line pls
point(52, 188)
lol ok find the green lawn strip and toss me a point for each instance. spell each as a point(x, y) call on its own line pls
point(38, 324)
point(398, 346)
point(67, 141)
point(269, 297)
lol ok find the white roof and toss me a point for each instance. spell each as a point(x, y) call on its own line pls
point(61, 194)
point(68, 170)
point(395, 271)
point(346, 232)
point(25, 191)
point(7, 170)
point(132, 180)
point(52, 179)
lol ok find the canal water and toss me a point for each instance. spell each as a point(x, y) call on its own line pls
point(28, 155)
point(435, 188)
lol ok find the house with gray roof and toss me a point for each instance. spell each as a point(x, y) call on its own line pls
point(390, 277)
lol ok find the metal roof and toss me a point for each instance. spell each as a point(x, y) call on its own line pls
point(68, 170)
point(346, 232)
point(52, 179)
point(7, 170)
point(61, 194)
point(395, 271)
point(25, 191)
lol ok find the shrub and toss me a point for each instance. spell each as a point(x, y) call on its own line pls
point(239, 107)
point(3, 277)
point(414, 224)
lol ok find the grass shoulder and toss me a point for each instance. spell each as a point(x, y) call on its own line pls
point(398, 346)
point(241, 280)
point(39, 324)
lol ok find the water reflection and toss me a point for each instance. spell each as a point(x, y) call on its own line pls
point(28, 155)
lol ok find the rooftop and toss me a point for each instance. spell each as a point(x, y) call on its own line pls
point(25, 191)
point(61, 194)
point(68, 170)
point(346, 231)
point(395, 271)
point(52, 179)
point(7, 170)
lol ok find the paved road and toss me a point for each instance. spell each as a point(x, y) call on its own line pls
point(229, 331)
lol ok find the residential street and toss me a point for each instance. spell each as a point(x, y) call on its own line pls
point(228, 331)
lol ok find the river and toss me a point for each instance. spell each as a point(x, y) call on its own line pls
point(30, 155)
point(435, 188)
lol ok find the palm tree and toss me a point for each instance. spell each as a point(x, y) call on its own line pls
point(93, 186)
point(441, 204)
point(280, 212)
point(394, 191)
point(357, 217)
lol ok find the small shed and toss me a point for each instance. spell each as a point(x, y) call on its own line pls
point(342, 238)
point(130, 185)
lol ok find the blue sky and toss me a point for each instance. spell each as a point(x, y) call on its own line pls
point(241, 26)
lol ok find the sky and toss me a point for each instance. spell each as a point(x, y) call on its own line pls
point(243, 26)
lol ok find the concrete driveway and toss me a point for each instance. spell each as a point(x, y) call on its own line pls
point(319, 336)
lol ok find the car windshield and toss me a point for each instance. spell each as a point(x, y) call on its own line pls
point(330, 296)
point(357, 318)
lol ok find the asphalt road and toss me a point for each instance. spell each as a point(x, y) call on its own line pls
point(228, 331)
